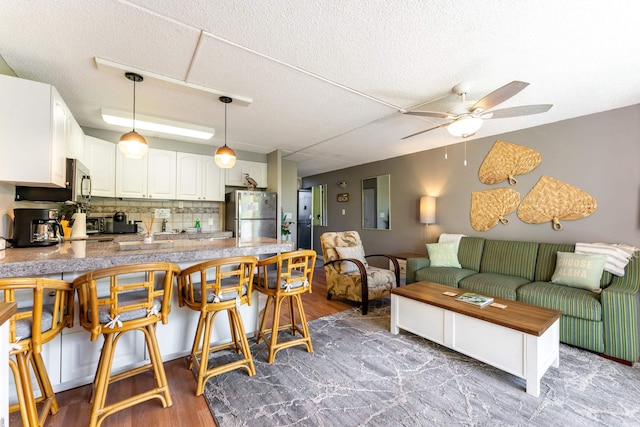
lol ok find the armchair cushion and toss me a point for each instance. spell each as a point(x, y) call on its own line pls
point(355, 252)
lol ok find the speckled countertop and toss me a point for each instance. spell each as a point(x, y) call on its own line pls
point(91, 254)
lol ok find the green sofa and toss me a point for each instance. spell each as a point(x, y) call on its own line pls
point(605, 322)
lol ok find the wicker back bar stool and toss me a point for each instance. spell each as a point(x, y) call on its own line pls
point(290, 279)
point(45, 307)
point(212, 287)
point(121, 299)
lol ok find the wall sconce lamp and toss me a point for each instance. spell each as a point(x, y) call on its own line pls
point(342, 184)
point(427, 212)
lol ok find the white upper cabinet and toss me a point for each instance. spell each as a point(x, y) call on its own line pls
point(199, 178)
point(33, 133)
point(100, 157)
point(236, 176)
point(75, 140)
point(153, 176)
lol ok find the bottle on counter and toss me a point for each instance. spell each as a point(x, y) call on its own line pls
point(197, 225)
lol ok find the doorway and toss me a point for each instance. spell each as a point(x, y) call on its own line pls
point(304, 219)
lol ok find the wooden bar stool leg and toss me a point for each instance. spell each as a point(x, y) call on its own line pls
point(102, 379)
point(156, 362)
point(303, 323)
point(244, 342)
point(273, 340)
point(202, 320)
point(30, 414)
point(50, 404)
point(204, 354)
point(233, 329)
point(263, 322)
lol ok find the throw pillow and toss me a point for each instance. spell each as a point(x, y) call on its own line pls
point(356, 252)
point(579, 270)
point(443, 254)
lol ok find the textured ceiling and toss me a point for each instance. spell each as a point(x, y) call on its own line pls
point(328, 79)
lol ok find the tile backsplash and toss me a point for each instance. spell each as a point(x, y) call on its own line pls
point(183, 213)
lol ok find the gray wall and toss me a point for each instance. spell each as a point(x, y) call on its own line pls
point(599, 154)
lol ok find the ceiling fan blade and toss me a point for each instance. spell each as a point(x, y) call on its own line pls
point(430, 114)
point(427, 130)
point(499, 95)
point(523, 110)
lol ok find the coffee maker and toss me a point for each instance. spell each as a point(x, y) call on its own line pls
point(36, 227)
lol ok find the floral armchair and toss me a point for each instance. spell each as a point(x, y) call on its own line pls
point(349, 276)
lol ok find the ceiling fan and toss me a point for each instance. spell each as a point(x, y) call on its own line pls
point(465, 118)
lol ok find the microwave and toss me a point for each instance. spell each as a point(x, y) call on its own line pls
point(95, 225)
point(77, 189)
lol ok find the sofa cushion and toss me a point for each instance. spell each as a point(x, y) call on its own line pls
point(449, 276)
point(510, 258)
point(470, 252)
point(443, 254)
point(579, 270)
point(495, 285)
point(574, 302)
point(546, 261)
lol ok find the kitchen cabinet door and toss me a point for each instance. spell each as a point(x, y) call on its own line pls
point(161, 174)
point(153, 176)
point(199, 178)
point(75, 141)
point(189, 179)
point(33, 129)
point(212, 180)
point(131, 176)
point(100, 158)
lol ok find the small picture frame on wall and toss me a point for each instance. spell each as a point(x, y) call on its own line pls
point(343, 197)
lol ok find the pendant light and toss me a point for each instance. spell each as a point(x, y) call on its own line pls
point(225, 157)
point(132, 144)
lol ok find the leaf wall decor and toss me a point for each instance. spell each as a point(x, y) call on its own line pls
point(505, 160)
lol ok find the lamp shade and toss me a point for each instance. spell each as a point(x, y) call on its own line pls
point(427, 210)
point(133, 145)
point(465, 126)
point(225, 157)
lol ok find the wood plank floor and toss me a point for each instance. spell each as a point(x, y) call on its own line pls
point(188, 410)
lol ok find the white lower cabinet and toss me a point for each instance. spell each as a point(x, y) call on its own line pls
point(80, 356)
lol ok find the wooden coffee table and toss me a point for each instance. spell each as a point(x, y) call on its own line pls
point(521, 339)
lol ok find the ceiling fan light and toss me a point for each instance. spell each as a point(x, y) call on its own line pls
point(133, 145)
point(465, 126)
point(225, 157)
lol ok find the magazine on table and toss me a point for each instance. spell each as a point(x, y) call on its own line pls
point(475, 299)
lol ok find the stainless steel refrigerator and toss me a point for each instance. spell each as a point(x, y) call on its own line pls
point(251, 214)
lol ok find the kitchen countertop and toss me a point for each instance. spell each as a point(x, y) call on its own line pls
point(132, 237)
point(91, 254)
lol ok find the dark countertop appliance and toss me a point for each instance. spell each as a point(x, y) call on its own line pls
point(36, 227)
point(120, 224)
point(78, 187)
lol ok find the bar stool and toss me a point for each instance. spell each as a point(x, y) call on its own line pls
point(291, 278)
point(45, 307)
point(116, 300)
point(227, 285)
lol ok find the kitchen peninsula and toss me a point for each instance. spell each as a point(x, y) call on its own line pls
point(71, 358)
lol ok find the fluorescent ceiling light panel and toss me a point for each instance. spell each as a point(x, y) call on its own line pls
point(124, 119)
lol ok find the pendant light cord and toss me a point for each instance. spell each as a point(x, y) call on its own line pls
point(134, 104)
point(225, 124)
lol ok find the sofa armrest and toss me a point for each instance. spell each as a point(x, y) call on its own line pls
point(620, 314)
point(415, 264)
